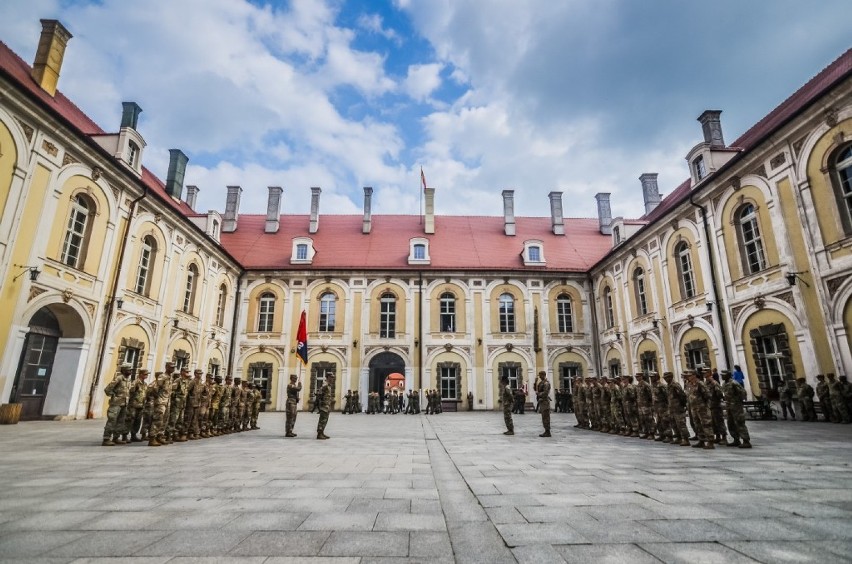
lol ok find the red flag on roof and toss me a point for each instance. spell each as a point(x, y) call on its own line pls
point(302, 340)
point(423, 178)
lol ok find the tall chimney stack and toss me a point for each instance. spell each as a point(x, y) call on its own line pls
point(273, 210)
point(429, 221)
point(650, 191)
point(232, 209)
point(130, 114)
point(604, 213)
point(509, 212)
point(711, 126)
point(556, 221)
point(49, 55)
point(176, 173)
point(315, 195)
point(191, 196)
point(368, 207)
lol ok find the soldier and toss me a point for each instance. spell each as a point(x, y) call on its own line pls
point(245, 406)
point(417, 401)
point(825, 398)
point(193, 403)
point(805, 394)
point(294, 388)
point(236, 405)
point(604, 407)
point(255, 406)
point(846, 390)
point(677, 410)
point(507, 397)
point(161, 392)
point(215, 398)
point(838, 401)
point(629, 403)
point(645, 406)
point(117, 391)
point(716, 396)
point(542, 394)
point(699, 402)
point(661, 409)
point(324, 399)
point(356, 400)
point(616, 408)
point(580, 403)
point(204, 408)
point(225, 405)
point(136, 404)
point(147, 414)
point(734, 397)
point(177, 407)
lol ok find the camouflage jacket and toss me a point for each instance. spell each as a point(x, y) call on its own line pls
point(716, 395)
point(661, 396)
point(324, 398)
point(677, 397)
point(734, 393)
point(645, 395)
point(805, 392)
point(699, 395)
point(117, 390)
point(138, 392)
point(162, 389)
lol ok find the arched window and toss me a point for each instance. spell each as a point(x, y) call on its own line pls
point(685, 274)
point(507, 313)
point(609, 311)
point(639, 289)
point(564, 314)
point(751, 243)
point(215, 229)
point(448, 313)
point(387, 316)
point(191, 284)
point(132, 153)
point(77, 232)
point(147, 256)
point(328, 304)
point(220, 305)
point(843, 186)
point(616, 235)
point(266, 312)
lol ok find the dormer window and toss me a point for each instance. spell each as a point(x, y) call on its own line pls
point(132, 153)
point(533, 253)
point(418, 251)
point(616, 235)
point(303, 251)
point(699, 168)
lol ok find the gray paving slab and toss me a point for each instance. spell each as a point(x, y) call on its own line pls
point(448, 488)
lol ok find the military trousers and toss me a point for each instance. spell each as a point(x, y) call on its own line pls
point(115, 423)
point(678, 422)
point(290, 415)
point(737, 423)
point(134, 419)
point(507, 418)
point(544, 408)
point(718, 421)
point(323, 421)
point(158, 421)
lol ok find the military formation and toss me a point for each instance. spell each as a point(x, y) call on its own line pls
point(177, 407)
point(658, 410)
point(835, 398)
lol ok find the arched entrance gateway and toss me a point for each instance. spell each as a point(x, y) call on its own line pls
point(381, 366)
point(45, 382)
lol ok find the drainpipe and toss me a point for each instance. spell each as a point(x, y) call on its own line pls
point(234, 323)
point(111, 301)
point(719, 311)
point(595, 332)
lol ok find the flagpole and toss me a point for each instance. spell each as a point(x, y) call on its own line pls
point(420, 222)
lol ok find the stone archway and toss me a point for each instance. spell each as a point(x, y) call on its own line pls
point(381, 366)
point(51, 354)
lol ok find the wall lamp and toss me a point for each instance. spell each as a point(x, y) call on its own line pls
point(355, 343)
point(792, 276)
point(710, 306)
point(656, 322)
point(119, 303)
point(175, 322)
point(416, 342)
point(33, 270)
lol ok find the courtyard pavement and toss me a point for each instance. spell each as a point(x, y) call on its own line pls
point(444, 488)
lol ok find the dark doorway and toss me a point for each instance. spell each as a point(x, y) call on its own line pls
point(381, 366)
point(36, 364)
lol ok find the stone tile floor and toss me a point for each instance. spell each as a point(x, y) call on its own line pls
point(446, 488)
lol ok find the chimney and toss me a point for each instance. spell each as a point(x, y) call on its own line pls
point(509, 211)
point(315, 194)
point(556, 222)
point(711, 125)
point(232, 208)
point(368, 213)
point(273, 210)
point(130, 114)
point(650, 191)
point(177, 170)
point(49, 55)
point(604, 213)
point(191, 195)
point(429, 222)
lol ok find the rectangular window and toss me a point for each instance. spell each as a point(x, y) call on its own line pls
point(507, 314)
point(564, 318)
point(695, 359)
point(448, 315)
point(419, 252)
point(648, 363)
point(75, 234)
point(144, 269)
point(774, 375)
point(699, 167)
point(614, 369)
point(320, 371)
point(261, 375)
point(181, 362)
point(131, 357)
point(387, 318)
point(535, 254)
point(687, 276)
point(213, 368)
point(327, 313)
point(301, 251)
point(567, 373)
point(512, 371)
point(449, 382)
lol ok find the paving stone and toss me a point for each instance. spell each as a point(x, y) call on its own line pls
point(358, 543)
point(786, 551)
point(690, 553)
point(267, 521)
point(537, 554)
point(479, 542)
point(108, 543)
point(281, 543)
point(339, 522)
point(606, 554)
point(430, 544)
point(194, 543)
point(694, 530)
point(34, 543)
point(410, 522)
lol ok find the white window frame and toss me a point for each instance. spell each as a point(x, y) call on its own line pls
point(448, 378)
point(221, 303)
point(699, 167)
point(534, 253)
point(506, 312)
point(843, 178)
point(387, 316)
point(328, 312)
point(191, 286)
point(265, 312)
point(418, 251)
point(302, 251)
point(609, 309)
point(751, 241)
point(639, 288)
point(686, 274)
point(564, 314)
point(76, 233)
point(147, 255)
point(447, 317)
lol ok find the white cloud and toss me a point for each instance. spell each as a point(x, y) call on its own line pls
point(374, 24)
point(422, 80)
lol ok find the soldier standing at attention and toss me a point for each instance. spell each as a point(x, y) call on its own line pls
point(225, 404)
point(806, 399)
point(117, 391)
point(542, 394)
point(734, 397)
point(507, 397)
point(148, 413)
point(204, 415)
point(136, 404)
point(616, 408)
point(255, 406)
point(630, 404)
point(677, 410)
point(699, 402)
point(294, 388)
point(193, 403)
point(824, 398)
point(215, 408)
point(645, 404)
point(324, 399)
point(162, 392)
point(606, 412)
point(661, 408)
point(716, 397)
point(236, 405)
point(580, 403)
point(838, 402)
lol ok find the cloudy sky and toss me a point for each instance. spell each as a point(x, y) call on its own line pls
point(580, 96)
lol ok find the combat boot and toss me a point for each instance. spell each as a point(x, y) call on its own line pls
point(290, 435)
point(107, 442)
point(181, 439)
point(709, 445)
point(193, 437)
point(321, 437)
point(545, 434)
point(745, 444)
point(154, 442)
point(734, 443)
point(699, 444)
point(134, 438)
point(666, 440)
point(683, 442)
point(508, 432)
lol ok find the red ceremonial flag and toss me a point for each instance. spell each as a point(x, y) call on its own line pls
point(302, 340)
point(423, 178)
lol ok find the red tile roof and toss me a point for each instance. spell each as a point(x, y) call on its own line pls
point(459, 243)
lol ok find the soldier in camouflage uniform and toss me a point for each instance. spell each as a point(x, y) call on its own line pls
point(699, 403)
point(177, 408)
point(237, 405)
point(677, 410)
point(645, 405)
point(630, 406)
point(838, 401)
point(193, 405)
point(825, 399)
point(580, 404)
point(661, 409)
point(136, 404)
point(616, 408)
point(734, 397)
point(204, 415)
point(257, 398)
point(294, 388)
point(148, 413)
point(607, 424)
point(225, 406)
point(542, 393)
point(591, 415)
point(214, 424)
point(324, 399)
point(161, 392)
point(507, 396)
point(356, 399)
point(115, 430)
point(805, 394)
point(716, 396)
